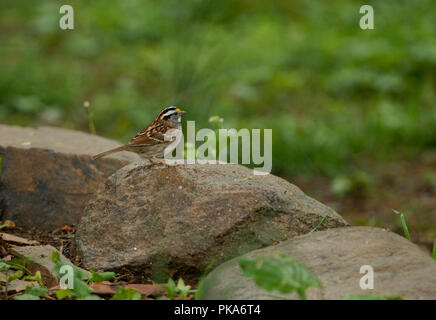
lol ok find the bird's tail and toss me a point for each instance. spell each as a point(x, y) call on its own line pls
point(97, 156)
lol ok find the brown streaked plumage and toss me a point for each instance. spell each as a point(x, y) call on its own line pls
point(150, 142)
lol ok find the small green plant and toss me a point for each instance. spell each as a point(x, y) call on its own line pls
point(22, 273)
point(17, 266)
point(64, 294)
point(280, 273)
point(81, 279)
point(403, 222)
point(89, 117)
point(200, 288)
point(180, 290)
point(32, 293)
point(200, 285)
point(79, 287)
point(37, 277)
point(99, 277)
point(14, 276)
point(126, 294)
point(1, 162)
point(4, 267)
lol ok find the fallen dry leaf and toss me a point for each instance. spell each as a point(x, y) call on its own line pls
point(20, 285)
point(54, 288)
point(12, 238)
point(102, 288)
point(146, 289)
point(67, 228)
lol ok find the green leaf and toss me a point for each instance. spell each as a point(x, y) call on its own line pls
point(183, 289)
point(1, 168)
point(171, 289)
point(37, 277)
point(17, 266)
point(64, 293)
point(99, 277)
point(181, 285)
point(26, 296)
point(55, 257)
point(22, 261)
point(80, 288)
point(78, 272)
point(16, 275)
point(4, 266)
point(36, 291)
point(126, 294)
point(280, 273)
point(200, 289)
point(403, 222)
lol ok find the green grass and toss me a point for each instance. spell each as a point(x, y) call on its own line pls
point(89, 117)
point(319, 224)
point(332, 93)
point(404, 224)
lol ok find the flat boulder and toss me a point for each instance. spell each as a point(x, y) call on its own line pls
point(178, 220)
point(335, 257)
point(48, 176)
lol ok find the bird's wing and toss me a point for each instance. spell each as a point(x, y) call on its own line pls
point(150, 135)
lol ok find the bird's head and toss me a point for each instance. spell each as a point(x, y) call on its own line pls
point(173, 114)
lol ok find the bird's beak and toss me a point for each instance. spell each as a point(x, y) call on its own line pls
point(181, 112)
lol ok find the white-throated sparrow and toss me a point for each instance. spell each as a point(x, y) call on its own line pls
point(153, 139)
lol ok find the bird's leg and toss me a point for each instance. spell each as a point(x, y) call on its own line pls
point(154, 161)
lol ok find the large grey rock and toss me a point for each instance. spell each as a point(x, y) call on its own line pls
point(60, 140)
point(48, 175)
point(182, 218)
point(335, 256)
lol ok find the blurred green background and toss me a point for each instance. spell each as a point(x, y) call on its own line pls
point(353, 111)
